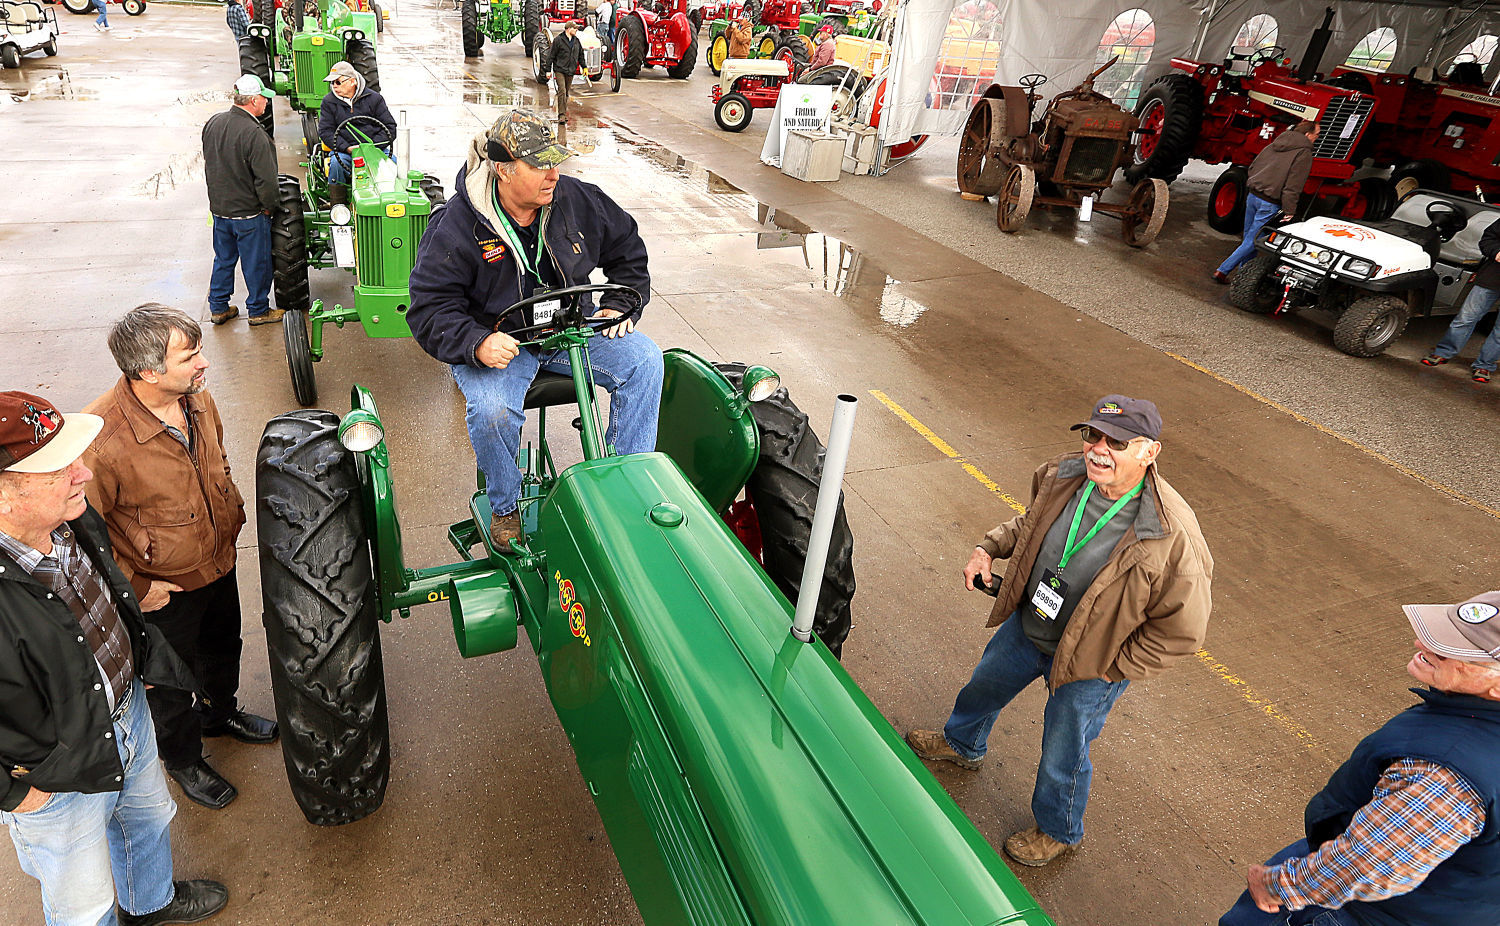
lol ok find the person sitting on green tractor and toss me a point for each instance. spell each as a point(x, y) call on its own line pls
point(827, 47)
point(347, 97)
point(515, 228)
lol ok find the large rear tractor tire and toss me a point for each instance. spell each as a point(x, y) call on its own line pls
point(1253, 288)
point(847, 84)
point(1226, 202)
point(1371, 324)
point(432, 188)
point(361, 56)
point(265, 13)
point(1171, 114)
point(469, 16)
point(289, 248)
point(541, 60)
point(784, 490)
point(632, 46)
point(320, 619)
point(255, 58)
point(684, 67)
point(531, 24)
point(794, 48)
point(1425, 174)
point(980, 173)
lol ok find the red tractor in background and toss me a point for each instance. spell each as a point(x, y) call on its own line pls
point(1228, 113)
point(655, 35)
point(782, 37)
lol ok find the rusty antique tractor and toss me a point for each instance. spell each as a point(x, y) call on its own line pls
point(1073, 152)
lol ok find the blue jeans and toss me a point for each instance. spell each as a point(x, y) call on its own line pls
point(102, 19)
point(1475, 307)
point(629, 367)
point(341, 165)
point(86, 849)
point(1257, 213)
point(1246, 913)
point(1074, 716)
point(249, 242)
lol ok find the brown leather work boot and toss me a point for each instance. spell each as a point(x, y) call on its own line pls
point(933, 746)
point(503, 529)
point(1034, 848)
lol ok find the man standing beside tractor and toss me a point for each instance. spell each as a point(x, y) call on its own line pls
point(566, 55)
point(1277, 176)
point(239, 168)
point(1106, 582)
point(348, 97)
point(740, 32)
point(515, 228)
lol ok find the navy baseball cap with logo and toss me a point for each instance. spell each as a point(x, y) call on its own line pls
point(1124, 418)
point(1468, 632)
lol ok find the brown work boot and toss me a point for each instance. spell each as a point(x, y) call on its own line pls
point(933, 746)
point(272, 317)
point(504, 528)
point(219, 318)
point(1034, 848)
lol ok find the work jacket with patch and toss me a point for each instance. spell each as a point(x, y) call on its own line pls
point(171, 516)
point(1147, 607)
point(465, 275)
point(55, 728)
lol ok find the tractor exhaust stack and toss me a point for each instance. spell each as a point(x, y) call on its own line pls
point(834, 460)
point(1316, 46)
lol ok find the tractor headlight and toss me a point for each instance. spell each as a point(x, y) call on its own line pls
point(340, 214)
point(1358, 266)
point(360, 430)
point(759, 383)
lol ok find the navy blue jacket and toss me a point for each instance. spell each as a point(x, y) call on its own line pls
point(333, 111)
point(1460, 733)
point(457, 296)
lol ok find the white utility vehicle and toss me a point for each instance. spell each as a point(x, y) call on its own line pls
point(25, 27)
point(1374, 276)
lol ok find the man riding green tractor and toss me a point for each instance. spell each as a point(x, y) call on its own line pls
point(292, 51)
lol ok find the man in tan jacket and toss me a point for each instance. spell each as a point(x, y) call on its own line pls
point(162, 483)
point(1106, 582)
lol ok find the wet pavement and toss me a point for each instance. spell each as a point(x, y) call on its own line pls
point(972, 351)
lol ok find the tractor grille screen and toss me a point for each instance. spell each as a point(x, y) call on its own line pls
point(1092, 160)
point(1339, 128)
point(312, 66)
point(378, 264)
point(593, 59)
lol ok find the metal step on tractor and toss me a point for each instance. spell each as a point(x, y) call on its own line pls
point(292, 48)
point(25, 27)
point(658, 34)
point(370, 227)
point(741, 775)
point(1067, 157)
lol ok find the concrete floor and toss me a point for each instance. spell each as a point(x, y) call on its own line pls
point(993, 344)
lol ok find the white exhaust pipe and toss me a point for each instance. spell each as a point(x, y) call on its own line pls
point(834, 461)
point(403, 143)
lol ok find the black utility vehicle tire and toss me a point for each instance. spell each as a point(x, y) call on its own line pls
point(361, 56)
point(255, 58)
point(784, 490)
point(470, 29)
point(299, 360)
point(50, 47)
point(320, 619)
point(1226, 201)
point(684, 67)
point(1253, 289)
point(10, 56)
point(1371, 324)
point(633, 37)
point(1181, 98)
point(289, 248)
point(1380, 199)
point(432, 188)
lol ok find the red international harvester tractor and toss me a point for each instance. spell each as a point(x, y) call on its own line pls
point(645, 37)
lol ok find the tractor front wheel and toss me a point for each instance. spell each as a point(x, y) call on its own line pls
point(1254, 288)
point(718, 53)
point(733, 112)
point(79, 7)
point(631, 46)
point(764, 45)
point(1145, 213)
point(255, 58)
point(1226, 202)
point(1015, 198)
point(1370, 324)
point(472, 40)
point(133, 7)
point(361, 56)
point(299, 358)
point(689, 60)
point(320, 619)
point(784, 491)
point(310, 140)
point(289, 248)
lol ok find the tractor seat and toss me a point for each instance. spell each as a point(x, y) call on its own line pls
point(549, 389)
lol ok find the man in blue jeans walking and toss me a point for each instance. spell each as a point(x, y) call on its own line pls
point(1106, 582)
point(1477, 304)
point(239, 167)
point(515, 228)
point(1275, 182)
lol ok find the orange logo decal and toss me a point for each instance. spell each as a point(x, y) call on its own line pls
point(567, 599)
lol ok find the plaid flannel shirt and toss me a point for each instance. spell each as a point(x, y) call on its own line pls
point(237, 18)
point(1421, 813)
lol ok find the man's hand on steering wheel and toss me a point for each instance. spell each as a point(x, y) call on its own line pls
point(616, 331)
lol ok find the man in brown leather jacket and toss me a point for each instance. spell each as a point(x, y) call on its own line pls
point(1106, 582)
point(739, 38)
point(162, 483)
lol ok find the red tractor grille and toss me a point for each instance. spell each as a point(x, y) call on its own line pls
point(1339, 129)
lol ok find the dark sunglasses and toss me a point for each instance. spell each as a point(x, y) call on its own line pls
point(1092, 436)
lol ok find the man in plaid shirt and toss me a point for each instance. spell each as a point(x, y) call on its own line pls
point(238, 19)
point(1406, 831)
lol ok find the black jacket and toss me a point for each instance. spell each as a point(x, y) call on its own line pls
point(1488, 274)
point(53, 716)
point(457, 295)
point(334, 110)
point(567, 54)
point(239, 165)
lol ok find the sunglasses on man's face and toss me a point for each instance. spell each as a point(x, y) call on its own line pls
point(1092, 436)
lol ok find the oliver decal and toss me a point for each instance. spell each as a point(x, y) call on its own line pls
point(568, 599)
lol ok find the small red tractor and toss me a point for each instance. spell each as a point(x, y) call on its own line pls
point(655, 35)
point(745, 85)
point(1227, 113)
point(541, 20)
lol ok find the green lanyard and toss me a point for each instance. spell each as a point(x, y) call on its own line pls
point(1072, 547)
point(530, 265)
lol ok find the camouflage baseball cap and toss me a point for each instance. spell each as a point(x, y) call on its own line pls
point(524, 136)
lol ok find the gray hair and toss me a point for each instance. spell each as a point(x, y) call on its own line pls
point(244, 99)
point(506, 168)
point(139, 340)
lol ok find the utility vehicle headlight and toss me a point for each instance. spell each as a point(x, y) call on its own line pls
point(360, 431)
point(759, 383)
point(1295, 246)
point(1324, 258)
point(340, 214)
point(1360, 267)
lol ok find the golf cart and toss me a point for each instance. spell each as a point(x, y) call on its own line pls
point(25, 27)
point(1373, 275)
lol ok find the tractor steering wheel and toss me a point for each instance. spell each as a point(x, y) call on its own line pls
point(1030, 82)
point(1268, 53)
point(385, 131)
point(570, 312)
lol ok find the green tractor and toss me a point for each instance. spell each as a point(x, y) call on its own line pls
point(292, 50)
point(495, 20)
point(370, 227)
point(741, 775)
point(784, 31)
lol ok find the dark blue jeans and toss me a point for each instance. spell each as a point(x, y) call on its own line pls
point(1246, 913)
point(1257, 213)
point(1074, 716)
point(247, 241)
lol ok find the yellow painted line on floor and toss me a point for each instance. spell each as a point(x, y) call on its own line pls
point(1369, 451)
point(1221, 671)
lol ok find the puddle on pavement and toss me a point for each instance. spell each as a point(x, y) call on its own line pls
point(496, 93)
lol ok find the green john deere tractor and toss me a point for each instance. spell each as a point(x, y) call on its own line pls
point(495, 20)
point(741, 775)
point(370, 227)
point(293, 49)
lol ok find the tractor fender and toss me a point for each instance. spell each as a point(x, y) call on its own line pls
point(1017, 112)
point(679, 30)
point(645, 16)
point(993, 92)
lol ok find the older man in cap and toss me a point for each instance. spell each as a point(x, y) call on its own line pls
point(1407, 831)
point(351, 106)
point(83, 794)
point(514, 229)
point(1106, 582)
point(239, 168)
